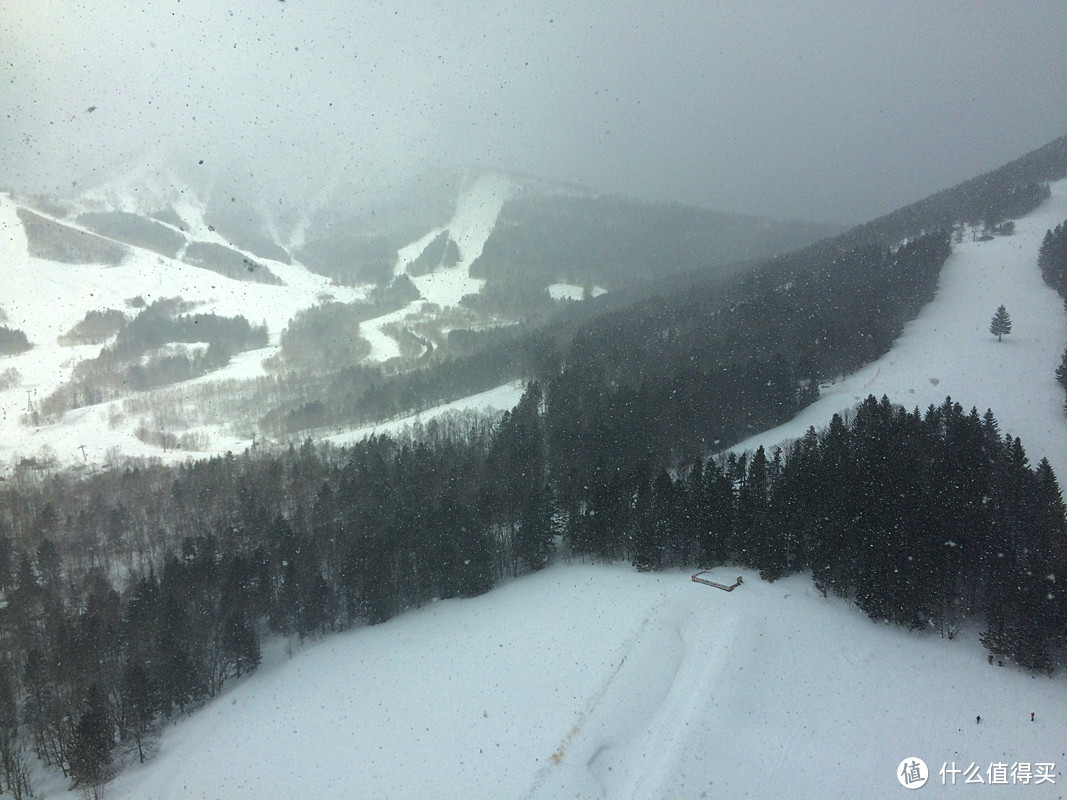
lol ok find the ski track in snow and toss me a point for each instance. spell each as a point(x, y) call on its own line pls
point(655, 755)
point(577, 750)
point(648, 685)
point(474, 219)
point(641, 685)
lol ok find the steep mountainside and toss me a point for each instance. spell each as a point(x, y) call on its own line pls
point(347, 292)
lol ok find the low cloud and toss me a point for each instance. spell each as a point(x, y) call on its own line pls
point(821, 111)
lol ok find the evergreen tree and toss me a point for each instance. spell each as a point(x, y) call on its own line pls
point(1000, 325)
point(713, 501)
point(516, 470)
point(834, 552)
point(646, 548)
point(90, 759)
point(752, 511)
point(13, 761)
point(142, 702)
point(1052, 258)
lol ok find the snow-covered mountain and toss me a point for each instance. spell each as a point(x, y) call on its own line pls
point(168, 230)
point(46, 297)
point(599, 682)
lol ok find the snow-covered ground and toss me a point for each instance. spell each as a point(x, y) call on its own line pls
point(601, 682)
point(569, 291)
point(502, 398)
point(948, 350)
point(45, 299)
point(474, 218)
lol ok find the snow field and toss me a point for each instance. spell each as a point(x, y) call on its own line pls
point(45, 299)
point(601, 682)
point(473, 221)
point(948, 351)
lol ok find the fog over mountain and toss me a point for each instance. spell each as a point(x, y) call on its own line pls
point(830, 111)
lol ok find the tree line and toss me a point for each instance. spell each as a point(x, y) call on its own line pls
point(136, 595)
point(13, 341)
point(1052, 260)
point(137, 361)
point(846, 297)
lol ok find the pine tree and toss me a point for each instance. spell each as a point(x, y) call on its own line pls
point(752, 501)
point(516, 466)
point(90, 760)
point(1000, 325)
point(1061, 370)
point(714, 511)
point(14, 764)
point(142, 701)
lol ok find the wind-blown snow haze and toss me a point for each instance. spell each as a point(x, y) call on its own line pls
point(820, 111)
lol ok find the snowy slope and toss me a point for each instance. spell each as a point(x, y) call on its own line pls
point(502, 398)
point(45, 298)
point(592, 682)
point(601, 682)
point(474, 218)
point(948, 350)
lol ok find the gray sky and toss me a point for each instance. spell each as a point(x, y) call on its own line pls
point(819, 110)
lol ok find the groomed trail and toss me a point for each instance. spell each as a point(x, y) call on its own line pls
point(593, 681)
point(475, 217)
point(948, 351)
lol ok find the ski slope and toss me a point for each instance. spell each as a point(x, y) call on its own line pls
point(475, 217)
point(45, 299)
point(600, 682)
point(948, 351)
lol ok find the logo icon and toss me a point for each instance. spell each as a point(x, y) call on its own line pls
point(912, 773)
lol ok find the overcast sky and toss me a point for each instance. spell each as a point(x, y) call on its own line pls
point(818, 110)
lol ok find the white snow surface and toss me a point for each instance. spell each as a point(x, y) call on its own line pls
point(46, 298)
point(601, 682)
point(473, 221)
point(947, 351)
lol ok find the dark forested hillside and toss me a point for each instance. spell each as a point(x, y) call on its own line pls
point(613, 242)
point(133, 595)
point(1006, 192)
point(1052, 259)
point(672, 378)
point(137, 594)
point(815, 313)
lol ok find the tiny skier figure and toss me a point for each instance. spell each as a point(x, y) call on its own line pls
point(1031, 716)
point(978, 720)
